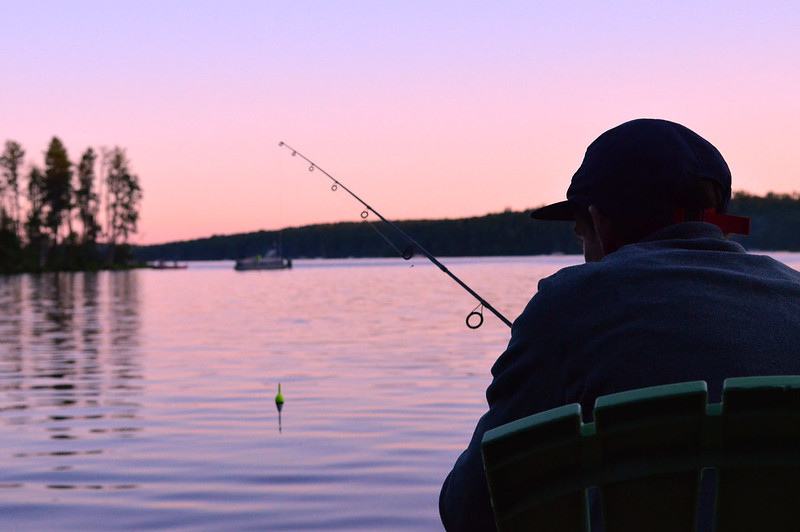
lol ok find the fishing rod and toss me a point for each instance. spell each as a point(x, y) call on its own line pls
point(474, 318)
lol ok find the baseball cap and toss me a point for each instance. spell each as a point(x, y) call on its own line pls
point(646, 169)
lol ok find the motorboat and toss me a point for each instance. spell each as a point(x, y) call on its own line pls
point(271, 261)
point(163, 265)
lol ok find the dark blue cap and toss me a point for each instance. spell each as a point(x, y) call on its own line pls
point(642, 170)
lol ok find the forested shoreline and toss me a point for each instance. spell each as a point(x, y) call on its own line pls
point(775, 224)
point(65, 216)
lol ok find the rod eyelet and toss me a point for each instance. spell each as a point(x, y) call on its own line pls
point(472, 324)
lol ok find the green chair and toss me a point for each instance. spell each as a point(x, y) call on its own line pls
point(645, 453)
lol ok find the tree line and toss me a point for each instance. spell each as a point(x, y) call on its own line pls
point(60, 215)
point(506, 233)
point(775, 222)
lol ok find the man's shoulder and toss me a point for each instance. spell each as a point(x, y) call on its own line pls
point(575, 277)
point(654, 262)
point(682, 254)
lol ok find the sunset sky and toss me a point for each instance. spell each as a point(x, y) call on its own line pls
point(425, 109)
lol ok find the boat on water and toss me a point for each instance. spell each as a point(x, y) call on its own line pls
point(271, 262)
point(163, 265)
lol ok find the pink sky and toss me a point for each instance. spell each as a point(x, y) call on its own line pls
point(424, 109)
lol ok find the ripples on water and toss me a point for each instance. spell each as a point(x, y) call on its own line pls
point(144, 400)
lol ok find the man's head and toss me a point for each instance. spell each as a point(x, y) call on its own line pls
point(642, 176)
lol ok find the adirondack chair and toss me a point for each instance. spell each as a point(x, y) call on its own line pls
point(644, 454)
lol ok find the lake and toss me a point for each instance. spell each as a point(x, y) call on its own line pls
point(144, 400)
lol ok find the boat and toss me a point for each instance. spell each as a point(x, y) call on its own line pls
point(271, 261)
point(163, 265)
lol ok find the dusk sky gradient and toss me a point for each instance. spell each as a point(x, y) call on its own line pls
point(425, 109)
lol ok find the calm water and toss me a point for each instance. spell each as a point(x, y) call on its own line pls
point(144, 400)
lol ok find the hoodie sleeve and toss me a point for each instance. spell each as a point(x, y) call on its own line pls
point(525, 381)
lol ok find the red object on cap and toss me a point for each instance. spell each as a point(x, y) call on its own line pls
point(727, 222)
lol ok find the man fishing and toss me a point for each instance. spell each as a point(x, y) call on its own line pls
point(663, 297)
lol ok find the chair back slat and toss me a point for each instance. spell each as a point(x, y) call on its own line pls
point(758, 486)
point(662, 424)
point(525, 460)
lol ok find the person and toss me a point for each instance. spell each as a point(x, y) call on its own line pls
point(663, 297)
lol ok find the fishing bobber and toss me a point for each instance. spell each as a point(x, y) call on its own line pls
point(279, 398)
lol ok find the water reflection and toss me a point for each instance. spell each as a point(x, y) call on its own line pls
point(70, 373)
point(11, 321)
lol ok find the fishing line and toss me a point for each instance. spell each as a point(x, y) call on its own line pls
point(474, 318)
point(386, 238)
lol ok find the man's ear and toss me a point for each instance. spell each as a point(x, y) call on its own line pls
point(606, 232)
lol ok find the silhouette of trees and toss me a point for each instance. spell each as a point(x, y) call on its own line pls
point(57, 188)
point(58, 225)
point(86, 198)
point(33, 225)
point(775, 219)
point(11, 162)
point(124, 194)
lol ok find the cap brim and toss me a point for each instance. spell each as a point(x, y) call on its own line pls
point(561, 211)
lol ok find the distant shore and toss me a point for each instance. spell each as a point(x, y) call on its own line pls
point(775, 223)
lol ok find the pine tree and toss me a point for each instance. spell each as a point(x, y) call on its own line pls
point(11, 161)
point(124, 193)
point(57, 187)
point(86, 199)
